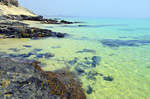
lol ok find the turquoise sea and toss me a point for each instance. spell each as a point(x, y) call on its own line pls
point(111, 56)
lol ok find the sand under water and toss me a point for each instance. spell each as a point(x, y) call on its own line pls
point(111, 56)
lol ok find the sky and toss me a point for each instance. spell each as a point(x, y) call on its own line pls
point(90, 8)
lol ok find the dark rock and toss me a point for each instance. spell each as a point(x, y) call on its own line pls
point(83, 25)
point(9, 23)
point(45, 55)
point(101, 74)
point(65, 22)
point(28, 46)
point(33, 18)
point(60, 35)
point(90, 90)
point(87, 51)
point(37, 50)
point(20, 30)
point(118, 43)
point(108, 78)
point(91, 75)
point(24, 81)
point(79, 70)
point(14, 49)
point(96, 60)
point(74, 61)
point(10, 2)
point(48, 55)
point(37, 18)
point(39, 55)
point(25, 55)
point(12, 55)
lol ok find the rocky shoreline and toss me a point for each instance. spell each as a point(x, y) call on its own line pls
point(24, 79)
point(20, 30)
point(12, 27)
point(21, 78)
point(37, 18)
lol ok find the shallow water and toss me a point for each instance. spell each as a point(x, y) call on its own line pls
point(111, 56)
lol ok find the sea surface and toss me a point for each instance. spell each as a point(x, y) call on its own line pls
point(110, 56)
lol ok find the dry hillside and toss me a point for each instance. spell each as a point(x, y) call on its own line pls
point(12, 7)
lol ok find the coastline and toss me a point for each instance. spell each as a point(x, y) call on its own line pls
point(21, 77)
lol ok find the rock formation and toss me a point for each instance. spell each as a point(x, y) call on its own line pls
point(10, 2)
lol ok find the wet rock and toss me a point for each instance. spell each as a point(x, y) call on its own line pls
point(118, 43)
point(60, 35)
point(21, 80)
point(74, 61)
point(101, 74)
point(87, 60)
point(33, 18)
point(87, 51)
point(20, 55)
point(40, 55)
point(91, 75)
point(90, 90)
point(96, 60)
point(28, 46)
point(65, 22)
point(83, 65)
point(36, 50)
point(45, 55)
point(14, 49)
point(79, 70)
point(25, 55)
point(48, 55)
point(19, 30)
point(38, 18)
point(108, 78)
point(64, 83)
point(9, 23)
point(83, 25)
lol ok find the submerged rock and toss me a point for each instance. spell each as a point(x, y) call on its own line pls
point(14, 49)
point(87, 51)
point(37, 50)
point(79, 70)
point(91, 75)
point(45, 55)
point(26, 80)
point(90, 90)
point(96, 60)
point(74, 61)
point(118, 43)
point(108, 78)
point(28, 46)
point(22, 80)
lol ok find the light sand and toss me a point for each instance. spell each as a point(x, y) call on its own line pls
point(13, 10)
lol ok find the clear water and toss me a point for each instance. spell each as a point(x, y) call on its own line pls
point(128, 64)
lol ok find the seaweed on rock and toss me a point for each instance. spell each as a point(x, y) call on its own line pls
point(26, 80)
point(65, 84)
